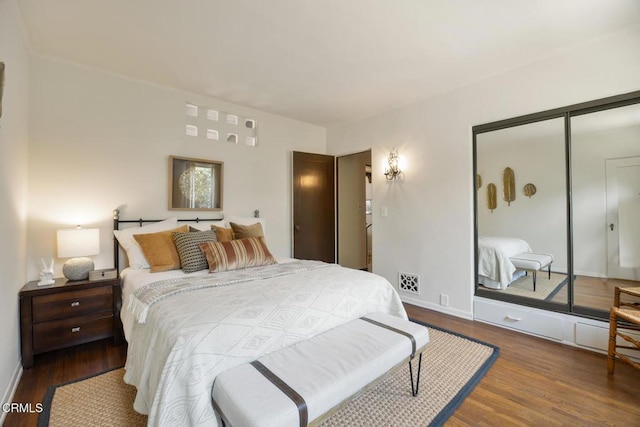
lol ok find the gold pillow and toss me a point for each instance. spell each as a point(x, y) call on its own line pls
point(237, 254)
point(223, 234)
point(160, 250)
point(243, 231)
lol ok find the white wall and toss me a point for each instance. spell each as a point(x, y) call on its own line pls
point(100, 141)
point(13, 191)
point(429, 228)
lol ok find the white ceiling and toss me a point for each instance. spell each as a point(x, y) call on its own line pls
point(320, 61)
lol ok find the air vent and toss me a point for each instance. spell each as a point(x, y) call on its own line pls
point(232, 119)
point(212, 115)
point(191, 130)
point(191, 110)
point(409, 283)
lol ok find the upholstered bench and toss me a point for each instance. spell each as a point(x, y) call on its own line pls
point(531, 261)
point(303, 383)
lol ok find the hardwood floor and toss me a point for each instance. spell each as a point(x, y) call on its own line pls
point(540, 382)
point(597, 292)
point(593, 292)
point(533, 382)
point(59, 367)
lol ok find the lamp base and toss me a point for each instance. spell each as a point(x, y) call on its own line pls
point(77, 268)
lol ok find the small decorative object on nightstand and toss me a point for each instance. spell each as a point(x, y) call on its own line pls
point(68, 313)
point(109, 273)
point(78, 244)
point(46, 275)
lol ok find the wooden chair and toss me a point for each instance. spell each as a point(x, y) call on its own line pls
point(628, 312)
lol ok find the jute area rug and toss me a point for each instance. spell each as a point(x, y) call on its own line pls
point(451, 367)
point(546, 288)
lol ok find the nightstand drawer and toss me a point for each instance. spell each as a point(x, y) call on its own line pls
point(67, 332)
point(72, 303)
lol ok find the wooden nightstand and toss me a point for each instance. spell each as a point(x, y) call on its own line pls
point(67, 314)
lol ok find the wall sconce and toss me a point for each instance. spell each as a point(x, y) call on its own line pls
point(393, 170)
point(78, 244)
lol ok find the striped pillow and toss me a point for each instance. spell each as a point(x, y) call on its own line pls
point(237, 254)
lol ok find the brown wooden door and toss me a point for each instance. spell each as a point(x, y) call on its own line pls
point(313, 207)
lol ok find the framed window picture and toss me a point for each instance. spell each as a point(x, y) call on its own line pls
point(195, 184)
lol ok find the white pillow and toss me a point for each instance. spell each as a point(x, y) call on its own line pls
point(245, 220)
point(132, 248)
point(206, 225)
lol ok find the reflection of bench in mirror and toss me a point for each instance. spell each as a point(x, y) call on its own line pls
point(531, 261)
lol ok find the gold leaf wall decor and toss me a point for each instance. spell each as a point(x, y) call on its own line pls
point(529, 190)
point(478, 181)
point(492, 201)
point(509, 182)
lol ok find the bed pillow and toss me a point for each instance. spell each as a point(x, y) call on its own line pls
point(245, 220)
point(192, 258)
point(160, 250)
point(205, 225)
point(132, 248)
point(237, 254)
point(223, 234)
point(243, 231)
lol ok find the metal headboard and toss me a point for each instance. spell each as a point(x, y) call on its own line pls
point(117, 221)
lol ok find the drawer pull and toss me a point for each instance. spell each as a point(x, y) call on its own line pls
point(515, 319)
point(75, 304)
point(76, 329)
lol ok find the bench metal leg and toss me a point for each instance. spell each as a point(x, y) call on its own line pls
point(414, 390)
point(534, 281)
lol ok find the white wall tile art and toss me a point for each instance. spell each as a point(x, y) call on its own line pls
point(211, 124)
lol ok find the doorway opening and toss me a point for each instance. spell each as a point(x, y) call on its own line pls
point(355, 219)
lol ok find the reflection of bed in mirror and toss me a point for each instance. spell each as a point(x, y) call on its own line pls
point(495, 269)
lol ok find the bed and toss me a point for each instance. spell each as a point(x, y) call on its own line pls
point(495, 269)
point(185, 328)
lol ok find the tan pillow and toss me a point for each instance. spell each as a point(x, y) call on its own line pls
point(223, 234)
point(160, 250)
point(237, 254)
point(243, 231)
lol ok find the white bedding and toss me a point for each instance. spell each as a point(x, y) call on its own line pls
point(493, 259)
point(190, 337)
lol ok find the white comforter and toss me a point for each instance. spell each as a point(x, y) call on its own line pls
point(189, 338)
point(493, 258)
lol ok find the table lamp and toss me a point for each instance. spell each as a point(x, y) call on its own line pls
point(78, 244)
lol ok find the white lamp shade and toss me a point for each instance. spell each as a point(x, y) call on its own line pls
point(78, 242)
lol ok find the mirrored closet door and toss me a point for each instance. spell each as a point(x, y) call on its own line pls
point(557, 206)
point(605, 168)
point(521, 212)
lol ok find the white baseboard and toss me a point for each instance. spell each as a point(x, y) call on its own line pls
point(11, 390)
point(437, 307)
